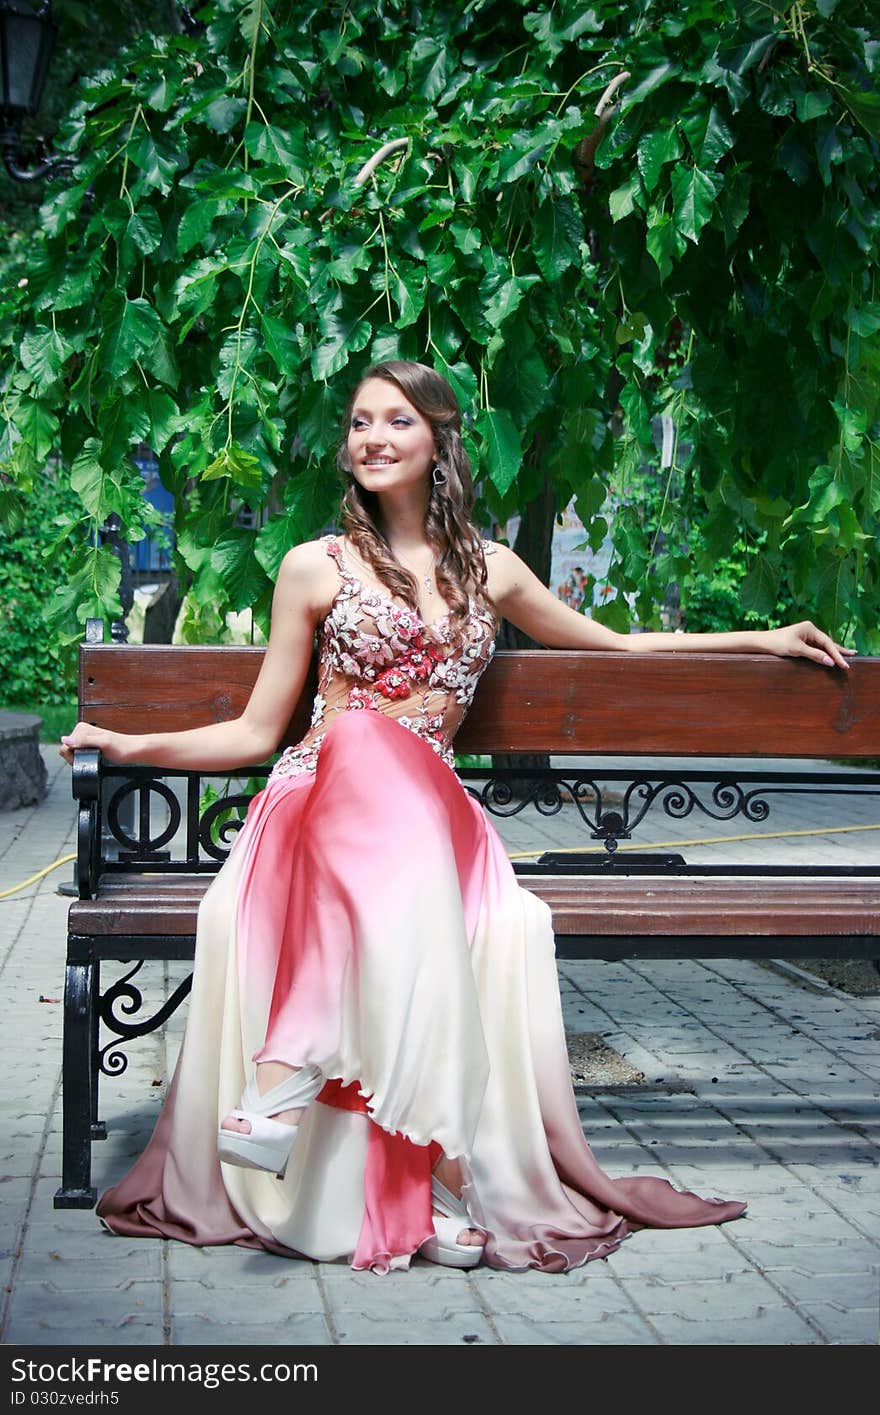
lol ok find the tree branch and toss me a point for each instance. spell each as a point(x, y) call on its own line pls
point(585, 153)
point(384, 151)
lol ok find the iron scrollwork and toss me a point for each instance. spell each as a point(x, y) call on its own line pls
point(614, 804)
point(216, 818)
point(129, 999)
point(144, 846)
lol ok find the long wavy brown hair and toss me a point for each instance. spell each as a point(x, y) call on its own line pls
point(461, 563)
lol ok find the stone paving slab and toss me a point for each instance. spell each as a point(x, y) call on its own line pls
point(299, 1330)
point(848, 1325)
point(774, 1326)
point(625, 1329)
point(757, 1085)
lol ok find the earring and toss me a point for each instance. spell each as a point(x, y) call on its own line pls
point(441, 480)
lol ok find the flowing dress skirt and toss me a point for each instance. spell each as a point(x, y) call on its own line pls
point(368, 920)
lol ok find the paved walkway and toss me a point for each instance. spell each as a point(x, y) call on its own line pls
point(759, 1085)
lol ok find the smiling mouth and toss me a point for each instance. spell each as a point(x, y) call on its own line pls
point(379, 461)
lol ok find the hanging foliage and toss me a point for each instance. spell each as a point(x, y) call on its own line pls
point(261, 209)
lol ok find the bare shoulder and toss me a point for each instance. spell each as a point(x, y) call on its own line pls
point(307, 574)
point(501, 568)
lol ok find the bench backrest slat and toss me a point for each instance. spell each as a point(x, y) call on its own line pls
point(552, 700)
point(556, 701)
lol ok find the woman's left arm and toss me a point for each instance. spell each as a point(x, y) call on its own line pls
point(801, 640)
point(521, 597)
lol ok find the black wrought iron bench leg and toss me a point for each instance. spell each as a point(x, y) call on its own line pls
point(98, 1127)
point(78, 1083)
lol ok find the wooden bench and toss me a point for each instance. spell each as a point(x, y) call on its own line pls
point(140, 883)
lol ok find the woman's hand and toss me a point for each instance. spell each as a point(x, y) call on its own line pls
point(115, 746)
point(804, 640)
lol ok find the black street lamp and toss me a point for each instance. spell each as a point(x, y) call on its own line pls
point(27, 37)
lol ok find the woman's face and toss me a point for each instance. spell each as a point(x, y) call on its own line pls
point(390, 443)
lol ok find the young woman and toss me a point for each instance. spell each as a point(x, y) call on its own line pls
point(374, 1063)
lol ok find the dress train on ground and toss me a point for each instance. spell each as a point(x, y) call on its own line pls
point(368, 921)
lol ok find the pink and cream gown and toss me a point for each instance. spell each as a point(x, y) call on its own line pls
point(368, 920)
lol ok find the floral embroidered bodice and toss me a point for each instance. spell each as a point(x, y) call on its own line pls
point(376, 654)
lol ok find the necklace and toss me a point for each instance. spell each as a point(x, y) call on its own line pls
point(427, 578)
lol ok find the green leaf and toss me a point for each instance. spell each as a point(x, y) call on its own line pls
point(693, 193)
point(232, 183)
point(503, 448)
point(759, 589)
point(281, 345)
point(224, 112)
point(312, 499)
point(194, 554)
point(829, 148)
point(252, 16)
point(160, 96)
point(74, 289)
point(236, 353)
point(233, 462)
point(506, 298)
point(664, 243)
point(164, 418)
point(649, 83)
point(557, 232)
point(864, 105)
point(832, 591)
point(38, 425)
point(613, 613)
point(130, 328)
point(234, 560)
point(159, 361)
point(428, 67)
point(319, 418)
point(408, 287)
point(61, 208)
point(273, 542)
point(654, 151)
point(853, 424)
point(121, 422)
point(517, 160)
point(624, 200)
point(865, 320)
point(195, 223)
point(43, 352)
point(460, 377)
point(343, 336)
point(439, 265)
point(386, 345)
point(90, 591)
point(348, 261)
point(826, 492)
point(522, 381)
point(282, 147)
point(88, 477)
point(718, 139)
point(467, 238)
point(144, 229)
point(812, 103)
point(157, 170)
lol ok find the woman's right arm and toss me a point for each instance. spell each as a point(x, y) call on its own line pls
point(254, 736)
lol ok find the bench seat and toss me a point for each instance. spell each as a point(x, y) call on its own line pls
point(139, 906)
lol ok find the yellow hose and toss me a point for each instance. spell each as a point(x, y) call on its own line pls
point(672, 844)
point(65, 859)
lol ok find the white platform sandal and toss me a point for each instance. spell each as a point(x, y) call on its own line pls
point(270, 1142)
point(444, 1246)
